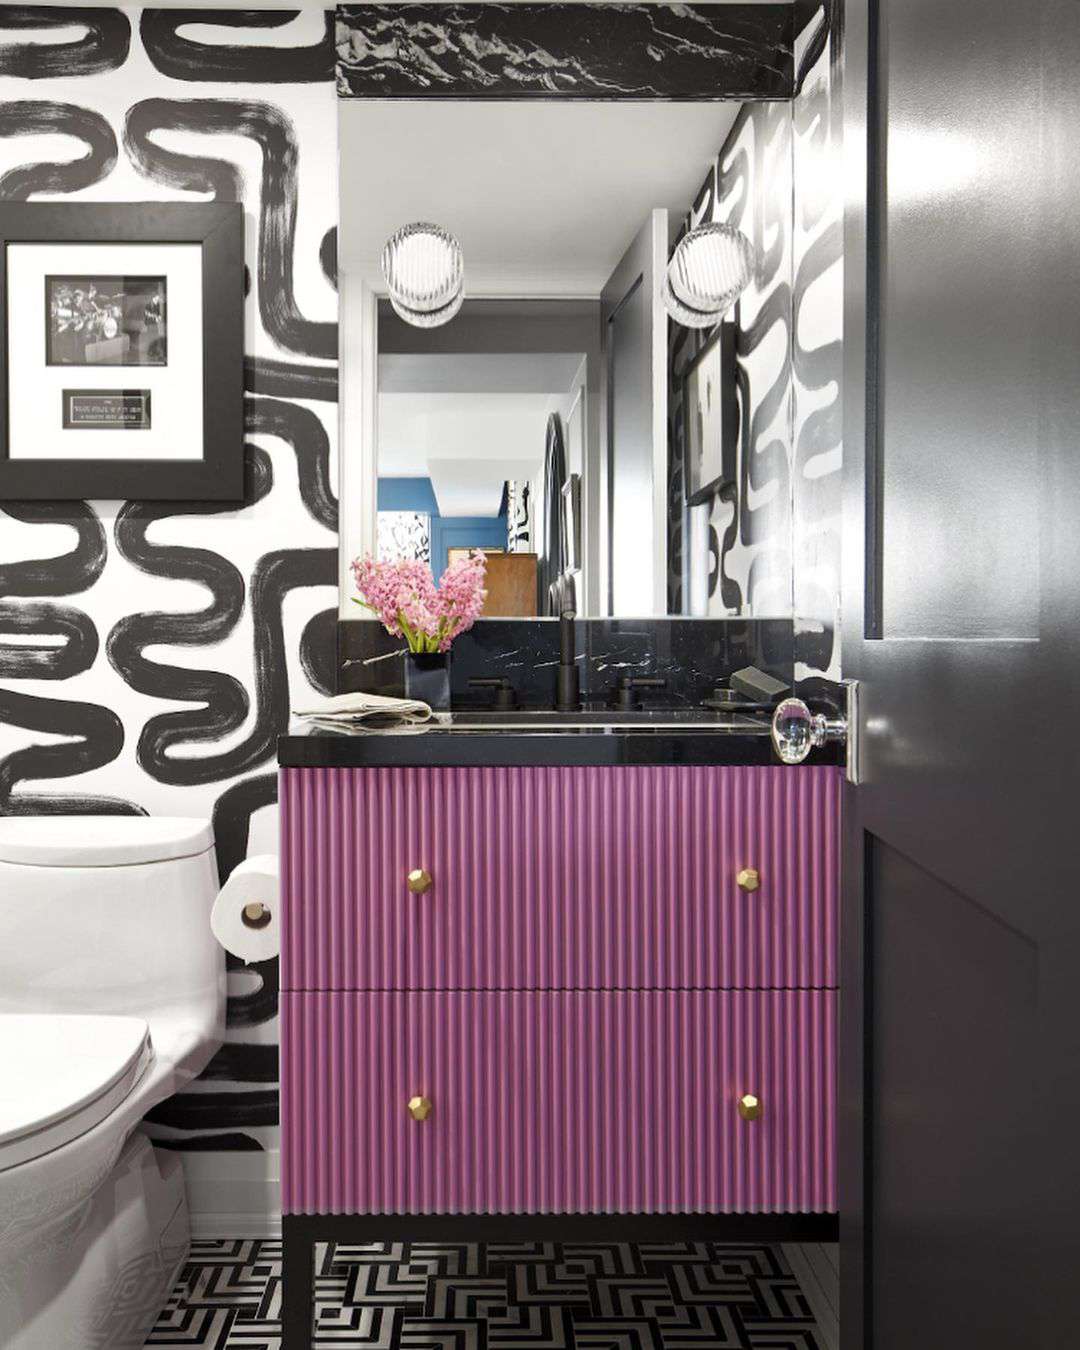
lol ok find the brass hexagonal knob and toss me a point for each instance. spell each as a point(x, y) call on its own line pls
point(419, 1108)
point(419, 881)
point(750, 1107)
point(748, 878)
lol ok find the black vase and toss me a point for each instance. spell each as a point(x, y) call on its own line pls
point(427, 677)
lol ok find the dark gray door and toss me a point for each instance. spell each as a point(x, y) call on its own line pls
point(961, 1010)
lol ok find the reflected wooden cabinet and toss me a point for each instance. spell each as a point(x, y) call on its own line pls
point(510, 583)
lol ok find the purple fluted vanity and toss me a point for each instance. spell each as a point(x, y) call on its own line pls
point(585, 989)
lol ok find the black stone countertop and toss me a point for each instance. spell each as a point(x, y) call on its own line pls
point(437, 743)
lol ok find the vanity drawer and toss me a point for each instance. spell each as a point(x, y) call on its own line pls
point(568, 1102)
point(555, 878)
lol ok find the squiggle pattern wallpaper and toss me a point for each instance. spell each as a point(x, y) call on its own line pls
point(149, 651)
point(817, 332)
point(771, 542)
point(748, 525)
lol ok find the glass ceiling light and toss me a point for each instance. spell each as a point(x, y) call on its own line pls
point(425, 274)
point(708, 271)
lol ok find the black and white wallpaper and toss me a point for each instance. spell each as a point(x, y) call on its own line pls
point(403, 534)
point(149, 651)
point(747, 527)
point(520, 525)
point(817, 332)
point(771, 544)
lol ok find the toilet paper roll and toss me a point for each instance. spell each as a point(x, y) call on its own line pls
point(245, 917)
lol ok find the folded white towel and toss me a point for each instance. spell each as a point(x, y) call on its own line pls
point(362, 707)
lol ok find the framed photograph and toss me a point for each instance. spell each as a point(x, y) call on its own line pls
point(121, 351)
point(106, 321)
point(711, 418)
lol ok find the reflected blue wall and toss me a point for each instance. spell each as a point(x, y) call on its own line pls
point(447, 532)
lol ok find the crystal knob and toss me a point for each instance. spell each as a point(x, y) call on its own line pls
point(748, 878)
point(749, 1106)
point(419, 1108)
point(796, 730)
point(419, 881)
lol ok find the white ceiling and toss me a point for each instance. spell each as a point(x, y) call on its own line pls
point(468, 421)
point(544, 197)
point(468, 444)
point(477, 373)
point(474, 487)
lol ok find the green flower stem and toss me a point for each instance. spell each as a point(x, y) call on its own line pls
point(417, 642)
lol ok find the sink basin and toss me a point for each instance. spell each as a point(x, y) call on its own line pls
point(540, 718)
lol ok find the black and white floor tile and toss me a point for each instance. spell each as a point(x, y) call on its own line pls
point(685, 1296)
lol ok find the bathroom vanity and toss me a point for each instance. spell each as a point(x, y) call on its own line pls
point(555, 982)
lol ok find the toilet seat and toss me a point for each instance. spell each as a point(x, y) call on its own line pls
point(60, 1075)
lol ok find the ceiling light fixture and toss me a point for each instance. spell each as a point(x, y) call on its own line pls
point(425, 274)
point(708, 271)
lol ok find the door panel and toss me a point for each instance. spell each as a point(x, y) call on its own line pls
point(952, 1017)
point(634, 335)
point(960, 1063)
point(960, 531)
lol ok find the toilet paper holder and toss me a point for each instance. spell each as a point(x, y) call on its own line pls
point(255, 915)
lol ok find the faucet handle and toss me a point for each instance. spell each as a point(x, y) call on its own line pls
point(503, 695)
point(623, 694)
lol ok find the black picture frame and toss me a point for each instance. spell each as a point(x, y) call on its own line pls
point(698, 492)
point(218, 227)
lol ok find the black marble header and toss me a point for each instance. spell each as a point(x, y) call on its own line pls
point(693, 655)
point(583, 51)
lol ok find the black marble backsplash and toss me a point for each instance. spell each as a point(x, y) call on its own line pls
point(693, 655)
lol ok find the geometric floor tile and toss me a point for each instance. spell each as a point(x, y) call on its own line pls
point(520, 1296)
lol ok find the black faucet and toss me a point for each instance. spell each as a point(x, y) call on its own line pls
point(568, 686)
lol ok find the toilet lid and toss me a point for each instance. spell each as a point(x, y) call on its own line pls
point(61, 1074)
point(101, 841)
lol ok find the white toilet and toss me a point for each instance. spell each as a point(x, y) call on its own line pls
point(112, 997)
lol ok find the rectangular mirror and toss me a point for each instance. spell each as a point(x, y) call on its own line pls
point(604, 457)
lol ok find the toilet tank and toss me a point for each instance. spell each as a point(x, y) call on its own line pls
point(108, 914)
